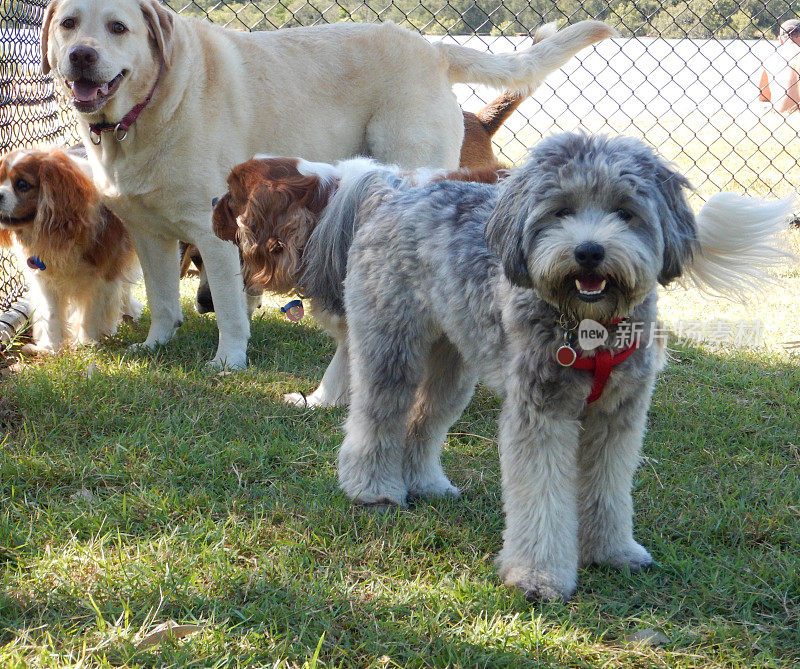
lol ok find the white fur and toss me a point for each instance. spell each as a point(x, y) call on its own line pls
point(324, 171)
point(738, 243)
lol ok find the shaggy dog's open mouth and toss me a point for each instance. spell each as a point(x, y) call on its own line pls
point(90, 96)
point(591, 288)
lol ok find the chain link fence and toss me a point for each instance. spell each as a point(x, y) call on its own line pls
point(684, 75)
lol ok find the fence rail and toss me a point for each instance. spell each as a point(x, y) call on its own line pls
point(683, 75)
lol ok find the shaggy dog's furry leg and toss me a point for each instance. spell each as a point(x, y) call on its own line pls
point(386, 367)
point(443, 395)
point(608, 457)
point(538, 463)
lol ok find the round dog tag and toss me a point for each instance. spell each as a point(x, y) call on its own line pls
point(566, 356)
point(35, 262)
point(294, 311)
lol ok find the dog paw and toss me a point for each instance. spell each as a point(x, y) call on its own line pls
point(142, 347)
point(228, 362)
point(380, 507)
point(388, 493)
point(307, 401)
point(436, 488)
point(39, 349)
point(378, 491)
point(632, 555)
point(536, 584)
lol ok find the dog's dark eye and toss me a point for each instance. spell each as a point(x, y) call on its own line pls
point(624, 214)
point(22, 186)
point(563, 213)
point(118, 28)
point(68, 23)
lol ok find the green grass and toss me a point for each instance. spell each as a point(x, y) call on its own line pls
point(147, 488)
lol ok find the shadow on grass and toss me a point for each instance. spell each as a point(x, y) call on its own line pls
point(154, 488)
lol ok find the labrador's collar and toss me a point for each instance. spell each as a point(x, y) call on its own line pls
point(120, 129)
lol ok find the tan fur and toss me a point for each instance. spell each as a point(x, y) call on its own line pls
point(270, 209)
point(477, 150)
point(89, 257)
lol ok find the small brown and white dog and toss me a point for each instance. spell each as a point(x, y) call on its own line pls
point(270, 211)
point(78, 259)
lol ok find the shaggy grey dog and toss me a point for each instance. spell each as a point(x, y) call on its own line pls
point(451, 283)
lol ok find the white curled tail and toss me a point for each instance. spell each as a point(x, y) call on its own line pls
point(738, 243)
point(525, 70)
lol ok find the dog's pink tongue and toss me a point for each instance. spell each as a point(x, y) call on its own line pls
point(590, 284)
point(85, 91)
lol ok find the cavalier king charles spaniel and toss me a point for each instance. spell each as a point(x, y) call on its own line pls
point(271, 210)
point(78, 259)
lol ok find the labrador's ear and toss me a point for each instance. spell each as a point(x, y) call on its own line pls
point(160, 23)
point(46, 21)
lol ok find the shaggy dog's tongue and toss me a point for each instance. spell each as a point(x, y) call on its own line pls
point(590, 285)
point(88, 91)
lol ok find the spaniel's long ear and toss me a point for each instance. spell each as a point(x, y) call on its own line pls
point(5, 238)
point(161, 25)
point(68, 199)
point(305, 191)
point(223, 220)
point(505, 231)
point(273, 230)
point(256, 235)
point(678, 223)
point(46, 21)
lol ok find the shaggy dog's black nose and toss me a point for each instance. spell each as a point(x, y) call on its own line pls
point(214, 202)
point(589, 254)
point(83, 56)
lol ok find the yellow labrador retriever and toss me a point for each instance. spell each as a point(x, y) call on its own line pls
point(167, 105)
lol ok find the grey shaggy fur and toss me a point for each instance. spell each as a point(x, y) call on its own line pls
point(432, 307)
point(330, 242)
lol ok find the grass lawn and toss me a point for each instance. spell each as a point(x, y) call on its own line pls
point(137, 489)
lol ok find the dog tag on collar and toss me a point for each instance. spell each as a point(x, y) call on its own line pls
point(35, 262)
point(566, 355)
point(294, 311)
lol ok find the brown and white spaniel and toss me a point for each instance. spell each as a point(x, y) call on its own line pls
point(273, 205)
point(270, 211)
point(78, 259)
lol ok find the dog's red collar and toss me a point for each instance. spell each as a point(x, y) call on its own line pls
point(600, 365)
point(121, 129)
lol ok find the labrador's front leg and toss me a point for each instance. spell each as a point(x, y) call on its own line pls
point(158, 257)
point(224, 272)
